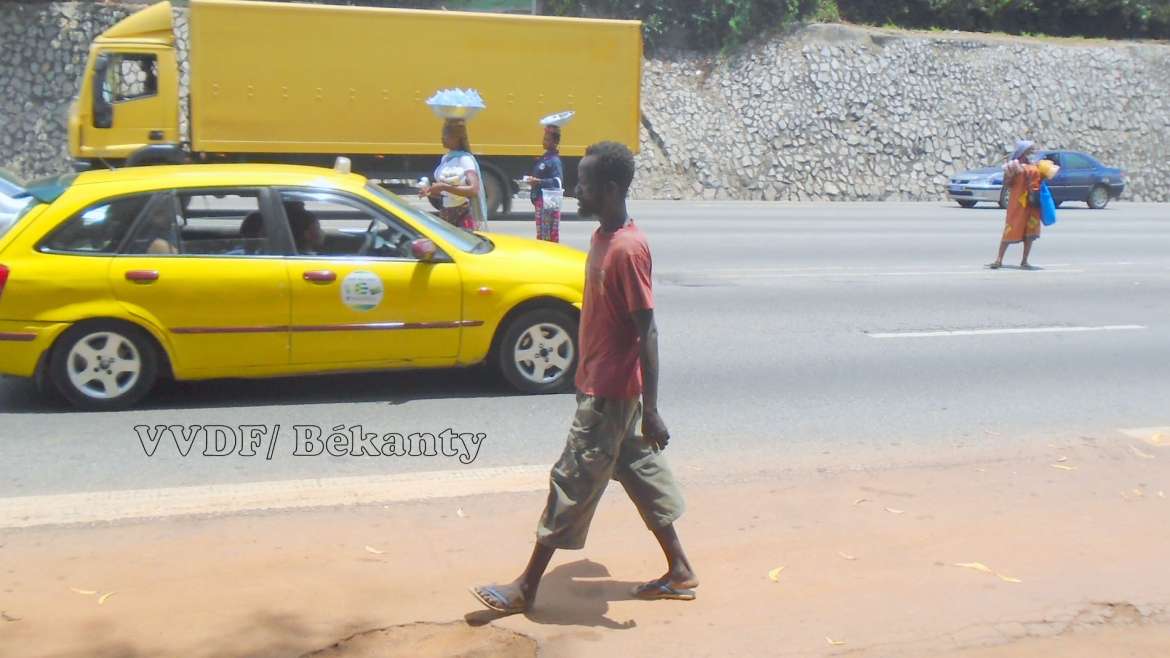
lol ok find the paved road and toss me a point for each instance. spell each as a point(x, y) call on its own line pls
point(799, 329)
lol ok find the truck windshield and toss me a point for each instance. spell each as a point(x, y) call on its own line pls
point(460, 238)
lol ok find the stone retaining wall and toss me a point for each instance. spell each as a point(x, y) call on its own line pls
point(842, 113)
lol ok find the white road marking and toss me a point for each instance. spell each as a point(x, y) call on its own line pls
point(827, 273)
point(996, 332)
point(1144, 433)
point(90, 507)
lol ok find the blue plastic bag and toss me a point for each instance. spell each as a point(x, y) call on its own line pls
point(1047, 205)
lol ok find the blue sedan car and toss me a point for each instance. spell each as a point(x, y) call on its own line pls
point(1081, 178)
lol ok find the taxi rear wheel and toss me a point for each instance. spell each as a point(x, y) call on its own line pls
point(104, 365)
point(538, 351)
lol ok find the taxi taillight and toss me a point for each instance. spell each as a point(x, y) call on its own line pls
point(3, 278)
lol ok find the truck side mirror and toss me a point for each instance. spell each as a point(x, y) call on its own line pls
point(103, 110)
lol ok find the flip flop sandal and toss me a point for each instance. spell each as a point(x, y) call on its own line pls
point(658, 590)
point(495, 595)
point(993, 266)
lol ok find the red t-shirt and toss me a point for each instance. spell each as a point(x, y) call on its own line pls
point(617, 283)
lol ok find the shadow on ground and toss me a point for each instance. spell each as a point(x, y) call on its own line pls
point(572, 595)
point(20, 396)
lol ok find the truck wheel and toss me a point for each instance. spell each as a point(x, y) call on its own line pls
point(1098, 197)
point(158, 154)
point(538, 353)
point(495, 190)
point(104, 365)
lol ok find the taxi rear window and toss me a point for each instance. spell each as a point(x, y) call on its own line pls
point(99, 229)
point(13, 210)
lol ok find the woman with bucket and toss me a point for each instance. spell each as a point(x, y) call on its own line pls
point(547, 180)
point(458, 181)
point(1022, 178)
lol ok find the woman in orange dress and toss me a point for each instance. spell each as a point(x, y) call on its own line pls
point(1023, 217)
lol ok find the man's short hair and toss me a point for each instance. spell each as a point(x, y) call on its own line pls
point(613, 162)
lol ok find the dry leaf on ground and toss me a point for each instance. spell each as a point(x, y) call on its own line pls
point(774, 574)
point(860, 501)
point(1140, 453)
point(1064, 468)
point(1008, 579)
point(87, 592)
point(105, 597)
point(977, 566)
point(834, 643)
point(891, 510)
point(371, 549)
point(460, 513)
point(846, 555)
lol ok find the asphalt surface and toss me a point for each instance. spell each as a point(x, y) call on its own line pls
point(782, 332)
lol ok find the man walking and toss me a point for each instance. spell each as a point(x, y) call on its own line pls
point(618, 363)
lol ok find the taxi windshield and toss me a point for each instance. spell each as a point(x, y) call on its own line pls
point(464, 240)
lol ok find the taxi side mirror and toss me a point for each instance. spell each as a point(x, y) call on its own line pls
point(423, 249)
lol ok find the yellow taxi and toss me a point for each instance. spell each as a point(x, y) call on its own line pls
point(112, 279)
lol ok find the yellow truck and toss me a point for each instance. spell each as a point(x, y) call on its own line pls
point(241, 81)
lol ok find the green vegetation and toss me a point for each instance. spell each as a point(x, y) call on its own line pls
point(713, 24)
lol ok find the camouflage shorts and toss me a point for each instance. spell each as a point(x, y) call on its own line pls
point(604, 444)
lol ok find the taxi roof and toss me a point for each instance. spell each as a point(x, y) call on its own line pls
point(195, 175)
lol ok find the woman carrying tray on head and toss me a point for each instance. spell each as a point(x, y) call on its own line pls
point(458, 181)
point(549, 175)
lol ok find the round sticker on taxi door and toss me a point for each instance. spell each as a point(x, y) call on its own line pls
point(361, 291)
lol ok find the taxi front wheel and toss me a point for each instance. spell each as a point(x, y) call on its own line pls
point(104, 365)
point(538, 353)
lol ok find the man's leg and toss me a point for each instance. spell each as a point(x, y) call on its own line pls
point(651, 486)
point(576, 484)
point(519, 594)
point(678, 568)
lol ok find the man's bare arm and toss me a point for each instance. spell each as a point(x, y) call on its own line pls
point(653, 428)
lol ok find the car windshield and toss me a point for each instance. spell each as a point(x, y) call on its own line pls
point(467, 241)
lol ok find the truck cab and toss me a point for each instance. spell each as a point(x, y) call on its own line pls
point(129, 96)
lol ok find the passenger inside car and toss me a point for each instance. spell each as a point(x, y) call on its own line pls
point(157, 232)
point(252, 232)
point(306, 229)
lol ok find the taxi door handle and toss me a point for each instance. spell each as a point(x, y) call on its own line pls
point(142, 276)
point(320, 276)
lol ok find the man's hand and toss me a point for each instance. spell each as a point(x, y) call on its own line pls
point(654, 430)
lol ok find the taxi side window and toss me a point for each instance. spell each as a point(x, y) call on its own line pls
point(330, 224)
point(100, 228)
point(222, 223)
